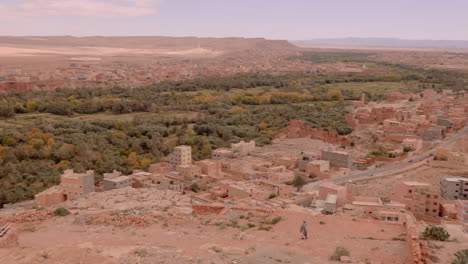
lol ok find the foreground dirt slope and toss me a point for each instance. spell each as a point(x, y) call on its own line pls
point(151, 226)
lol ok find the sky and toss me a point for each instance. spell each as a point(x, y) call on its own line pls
point(272, 19)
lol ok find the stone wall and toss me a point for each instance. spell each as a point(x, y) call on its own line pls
point(412, 238)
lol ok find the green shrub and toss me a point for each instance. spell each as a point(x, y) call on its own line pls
point(273, 195)
point(322, 222)
point(250, 225)
point(264, 228)
point(195, 188)
point(339, 252)
point(407, 149)
point(276, 220)
point(61, 212)
point(435, 233)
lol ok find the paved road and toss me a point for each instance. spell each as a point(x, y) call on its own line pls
point(409, 161)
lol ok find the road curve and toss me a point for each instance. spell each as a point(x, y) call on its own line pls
point(405, 163)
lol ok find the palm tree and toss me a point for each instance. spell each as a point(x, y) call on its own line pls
point(461, 257)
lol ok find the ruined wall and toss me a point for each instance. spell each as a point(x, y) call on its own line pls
point(297, 129)
point(202, 209)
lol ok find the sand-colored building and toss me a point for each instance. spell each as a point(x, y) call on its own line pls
point(110, 183)
point(337, 158)
point(72, 185)
point(189, 172)
point(422, 199)
point(182, 155)
point(211, 168)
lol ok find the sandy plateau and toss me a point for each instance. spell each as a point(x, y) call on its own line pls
point(9, 51)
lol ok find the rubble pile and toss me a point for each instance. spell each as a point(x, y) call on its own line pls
point(148, 199)
point(30, 216)
point(123, 220)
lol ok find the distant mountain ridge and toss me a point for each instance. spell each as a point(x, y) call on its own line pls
point(385, 42)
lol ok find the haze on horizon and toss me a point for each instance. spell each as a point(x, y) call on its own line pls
point(293, 20)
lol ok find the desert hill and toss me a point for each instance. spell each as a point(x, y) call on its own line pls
point(143, 42)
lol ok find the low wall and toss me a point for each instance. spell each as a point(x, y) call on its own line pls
point(446, 164)
point(205, 209)
point(412, 239)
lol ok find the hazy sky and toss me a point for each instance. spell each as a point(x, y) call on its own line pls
point(275, 19)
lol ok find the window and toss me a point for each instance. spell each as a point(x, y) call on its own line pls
point(410, 191)
point(427, 210)
point(434, 210)
point(435, 203)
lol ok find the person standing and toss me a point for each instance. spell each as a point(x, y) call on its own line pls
point(303, 230)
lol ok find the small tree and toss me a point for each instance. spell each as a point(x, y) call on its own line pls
point(435, 233)
point(461, 257)
point(195, 188)
point(299, 182)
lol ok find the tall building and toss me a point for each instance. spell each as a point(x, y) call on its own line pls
point(182, 155)
point(422, 199)
point(454, 188)
point(76, 184)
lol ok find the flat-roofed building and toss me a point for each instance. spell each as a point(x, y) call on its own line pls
point(117, 183)
point(77, 184)
point(211, 168)
point(72, 185)
point(189, 172)
point(454, 188)
point(337, 158)
point(422, 199)
point(182, 155)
